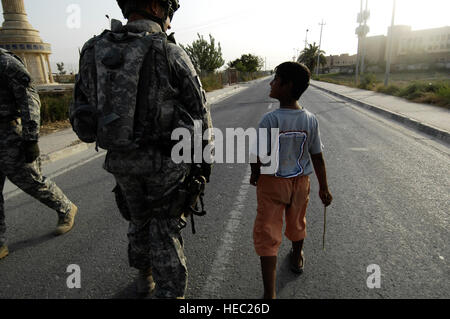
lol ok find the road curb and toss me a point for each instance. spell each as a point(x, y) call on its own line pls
point(65, 152)
point(414, 124)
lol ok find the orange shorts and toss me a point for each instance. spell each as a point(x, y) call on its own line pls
point(275, 196)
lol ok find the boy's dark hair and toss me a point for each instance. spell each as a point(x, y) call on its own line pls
point(296, 73)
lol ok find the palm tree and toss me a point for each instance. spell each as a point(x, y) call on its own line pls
point(309, 57)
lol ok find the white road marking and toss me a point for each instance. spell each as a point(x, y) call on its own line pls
point(214, 280)
point(359, 149)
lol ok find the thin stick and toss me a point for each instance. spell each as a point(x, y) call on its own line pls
point(324, 226)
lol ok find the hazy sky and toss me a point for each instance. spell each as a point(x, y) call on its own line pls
point(272, 29)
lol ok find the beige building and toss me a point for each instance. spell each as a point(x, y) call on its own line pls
point(337, 63)
point(411, 50)
point(426, 46)
point(18, 36)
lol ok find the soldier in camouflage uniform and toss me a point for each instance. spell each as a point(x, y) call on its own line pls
point(147, 178)
point(19, 151)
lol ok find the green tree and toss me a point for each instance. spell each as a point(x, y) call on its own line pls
point(60, 67)
point(247, 63)
point(309, 57)
point(205, 56)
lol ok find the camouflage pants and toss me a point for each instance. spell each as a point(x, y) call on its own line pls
point(155, 243)
point(29, 179)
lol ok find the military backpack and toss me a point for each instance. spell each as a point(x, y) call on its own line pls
point(130, 71)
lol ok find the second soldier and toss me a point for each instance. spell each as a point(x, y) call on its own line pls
point(135, 86)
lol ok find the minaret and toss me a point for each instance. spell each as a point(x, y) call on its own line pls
point(17, 35)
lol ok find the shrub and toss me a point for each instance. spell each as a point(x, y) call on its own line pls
point(444, 96)
point(417, 89)
point(368, 81)
point(212, 81)
point(55, 107)
point(390, 89)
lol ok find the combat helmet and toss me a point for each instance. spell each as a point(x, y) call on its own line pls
point(171, 6)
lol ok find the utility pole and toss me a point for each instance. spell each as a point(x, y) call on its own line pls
point(389, 49)
point(306, 38)
point(358, 32)
point(366, 30)
point(320, 45)
point(296, 54)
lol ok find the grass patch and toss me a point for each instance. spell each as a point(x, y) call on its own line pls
point(430, 88)
point(55, 107)
point(212, 81)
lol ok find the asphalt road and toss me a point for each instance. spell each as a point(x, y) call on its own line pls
point(391, 209)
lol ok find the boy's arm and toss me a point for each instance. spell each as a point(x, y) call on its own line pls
point(256, 172)
point(321, 173)
point(256, 165)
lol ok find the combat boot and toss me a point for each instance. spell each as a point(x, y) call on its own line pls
point(145, 283)
point(65, 222)
point(3, 251)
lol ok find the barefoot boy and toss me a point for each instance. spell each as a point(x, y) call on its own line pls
point(287, 189)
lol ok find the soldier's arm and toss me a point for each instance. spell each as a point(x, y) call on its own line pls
point(82, 112)
point(84, 90)
point(192, 94)
point(27, 99)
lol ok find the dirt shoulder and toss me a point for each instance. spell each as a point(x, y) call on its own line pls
point(50, 128)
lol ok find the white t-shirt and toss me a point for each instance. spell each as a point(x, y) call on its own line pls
point(298, 138)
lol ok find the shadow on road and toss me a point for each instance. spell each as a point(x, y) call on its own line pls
point(285, 275)
point(128, 292)
point(27, 243)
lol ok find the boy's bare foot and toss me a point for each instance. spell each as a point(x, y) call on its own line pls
point(297, 257)
point(297, 262)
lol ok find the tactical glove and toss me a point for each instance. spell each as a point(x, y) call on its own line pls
point(31, 151)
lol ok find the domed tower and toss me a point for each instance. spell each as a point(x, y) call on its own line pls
point(18, 36)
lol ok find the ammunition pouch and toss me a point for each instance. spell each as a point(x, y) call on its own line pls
point(185, 200)
point(84, 123)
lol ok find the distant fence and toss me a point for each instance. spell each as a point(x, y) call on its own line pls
point(66, 78)
point(217, 80)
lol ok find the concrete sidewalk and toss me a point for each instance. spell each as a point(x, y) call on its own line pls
point(429, 119)
point(64, 143)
